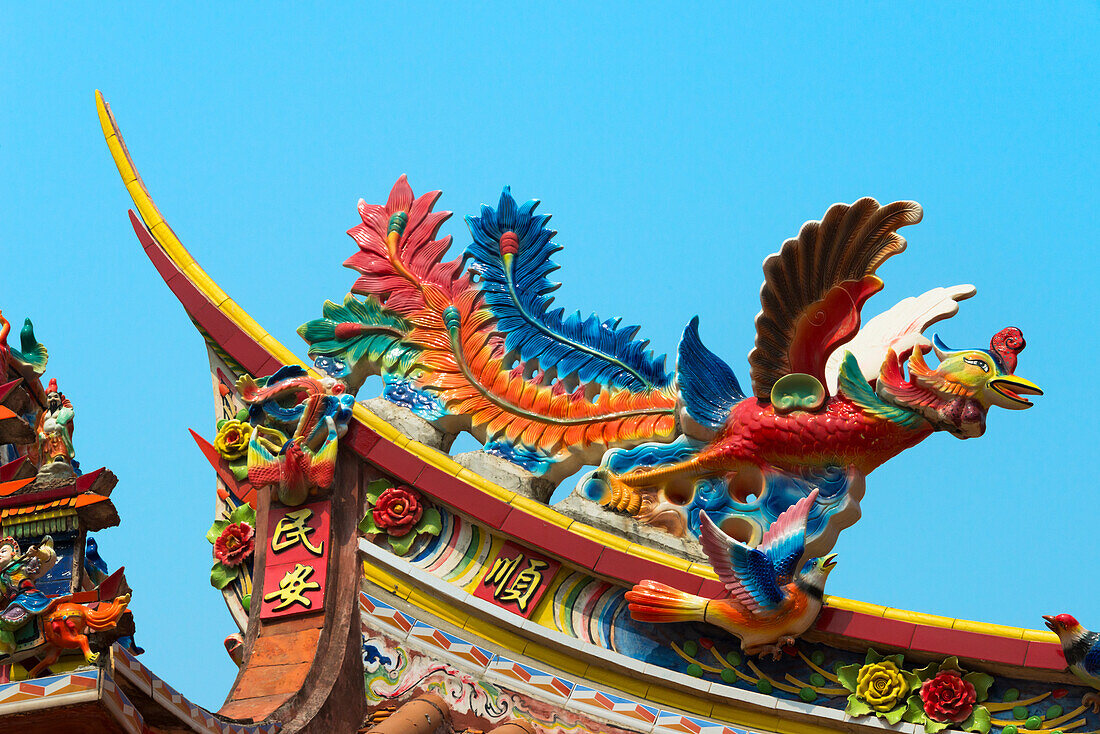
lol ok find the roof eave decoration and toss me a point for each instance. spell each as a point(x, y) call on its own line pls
point(804, 381)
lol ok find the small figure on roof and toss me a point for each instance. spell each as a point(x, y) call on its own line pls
point(20, 599)
point(773, 591)
point(55, 433)
point(1081, 648)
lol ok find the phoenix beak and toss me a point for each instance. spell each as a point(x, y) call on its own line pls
point(1051, 624)
point(829, 562)
point(1012, 387)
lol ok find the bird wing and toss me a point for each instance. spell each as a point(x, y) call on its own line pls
point(708, 388)
point(900, 328)
point(815, 286)
point(747, 573)
point(853, 385)
point(784, 542)
point(322, 465)
point(1091, 661)
point(263, 467)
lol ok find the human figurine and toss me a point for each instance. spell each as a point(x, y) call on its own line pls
point(20, 599)
point(55, 433)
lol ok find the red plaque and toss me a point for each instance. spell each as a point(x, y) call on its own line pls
point(517, 578)
point(297, 560)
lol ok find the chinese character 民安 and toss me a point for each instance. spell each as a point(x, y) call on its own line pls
point(293, 587)
point(292, 529)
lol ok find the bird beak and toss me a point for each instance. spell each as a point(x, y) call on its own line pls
point(1011, 388)
point(829, 562)
point(1051, 624)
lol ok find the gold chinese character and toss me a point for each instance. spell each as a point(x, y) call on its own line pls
point(512, 586)
point(293, 587)
point(292, 529)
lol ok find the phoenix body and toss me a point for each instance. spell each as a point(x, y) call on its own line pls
point(473, 345)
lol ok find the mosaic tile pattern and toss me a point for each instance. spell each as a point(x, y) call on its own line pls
point(121, 707)
point(526, 677)
point(451, 646)
point(667, 722)
point(385, 615)
point(53, 686)
point(615, 708)
point(198, 718)
point(523, 678)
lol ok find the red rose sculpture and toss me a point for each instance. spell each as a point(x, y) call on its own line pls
point(235, 544)
point(398, 510)
point(948, 697)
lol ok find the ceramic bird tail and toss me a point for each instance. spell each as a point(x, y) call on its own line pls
point(651, 601)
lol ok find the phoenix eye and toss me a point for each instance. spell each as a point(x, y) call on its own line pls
point(977, 363)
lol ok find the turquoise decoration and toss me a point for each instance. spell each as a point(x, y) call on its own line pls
point(407, 395)
point(363, 336)
point(532, 461)
point(839, 492)
point(31, 353)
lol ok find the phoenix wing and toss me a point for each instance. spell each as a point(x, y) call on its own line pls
point(899, 329)
point(815, 286)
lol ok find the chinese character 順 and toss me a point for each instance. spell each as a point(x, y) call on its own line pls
point(512, 586)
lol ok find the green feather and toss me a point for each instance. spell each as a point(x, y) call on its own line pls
point(858, 390)
point(382, 343)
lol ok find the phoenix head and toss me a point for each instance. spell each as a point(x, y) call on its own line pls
point(956, 395)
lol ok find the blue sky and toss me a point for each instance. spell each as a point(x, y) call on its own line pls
point(675, 146)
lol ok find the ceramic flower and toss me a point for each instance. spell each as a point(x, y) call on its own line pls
point(231, 442)
point(878, 687)
point(234, 539)
point(397, 510)
point(235, 543)
point(399, 513)
point(950, 697)
point(881, 685)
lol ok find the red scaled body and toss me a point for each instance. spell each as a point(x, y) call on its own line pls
point(840, 435)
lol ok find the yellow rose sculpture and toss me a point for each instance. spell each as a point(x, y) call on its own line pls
point(879, 687)
point(231, 441)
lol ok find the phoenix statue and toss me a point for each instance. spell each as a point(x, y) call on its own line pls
point(472, 344)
